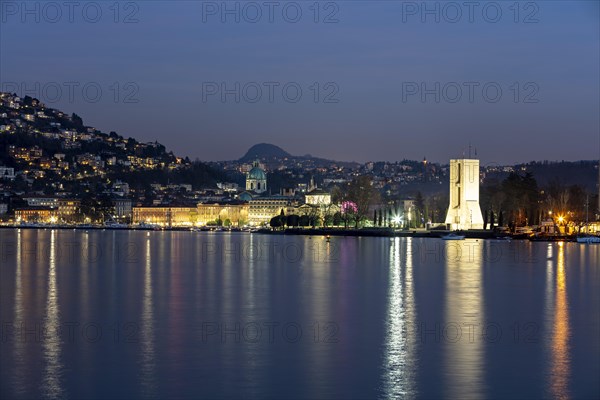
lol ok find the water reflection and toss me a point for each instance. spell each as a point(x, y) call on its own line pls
point(323, 308)
point(464, 320)
point(19, 346)
point(559, 346)
point(51, 345)
point(399, 344)
point(148, 366)
point(372, 289)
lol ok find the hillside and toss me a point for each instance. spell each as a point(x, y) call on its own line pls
point(264, 151)
point(51, 150)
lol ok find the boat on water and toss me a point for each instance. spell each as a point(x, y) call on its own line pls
point(453, 236)
point(523, 232)
point(115, 225)
point(588, 239)
point(148, 226)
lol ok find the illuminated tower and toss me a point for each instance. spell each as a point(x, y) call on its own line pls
point(464, 211)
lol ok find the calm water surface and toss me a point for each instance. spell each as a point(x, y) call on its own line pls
point(182, 314)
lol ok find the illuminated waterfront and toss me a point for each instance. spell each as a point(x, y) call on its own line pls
point(234, 314)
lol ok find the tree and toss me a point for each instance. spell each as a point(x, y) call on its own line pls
point(328, 219)
point(576, 204)
point(77, 121)
point(327, 213)
point(363, 195)
point(485, 219)
point(292, 220)
point(337, 195)
point(275, 222)
point(278, 221)
point(521, 198)
point(419, 209)
point(304, 221)
point(313, 214)
point(282, 218)
point(337, 218)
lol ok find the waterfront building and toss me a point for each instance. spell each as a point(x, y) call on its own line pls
point(223, 213)
point(464, 211)
point(262, 209)
point(166, 216)
point(36, 215)
point(227, 213)
point(123, 209)
point(68, 209)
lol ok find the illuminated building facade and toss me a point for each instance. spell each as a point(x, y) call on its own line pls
point(226, 213)
point(234, 214)
point(318, 197)
point(36, 215)
point(123, 209)
point(261, 209)
point(165, 216)
point(68, 209)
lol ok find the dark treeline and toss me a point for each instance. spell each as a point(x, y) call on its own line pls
point(518, 200)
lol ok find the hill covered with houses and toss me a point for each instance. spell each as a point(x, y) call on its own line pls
point(46, 151)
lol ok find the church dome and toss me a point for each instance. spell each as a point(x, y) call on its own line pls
point(257, 173)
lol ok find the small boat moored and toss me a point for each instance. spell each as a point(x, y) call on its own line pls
point(453, 236)
point(588, 239)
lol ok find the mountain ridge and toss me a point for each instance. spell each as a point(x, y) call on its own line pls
point(264, 150)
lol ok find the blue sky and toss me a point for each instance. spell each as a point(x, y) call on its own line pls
point(543, 56)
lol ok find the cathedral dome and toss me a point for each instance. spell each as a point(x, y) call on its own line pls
point(257, 173)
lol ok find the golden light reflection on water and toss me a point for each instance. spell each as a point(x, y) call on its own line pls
point(399, 343)
point(559, 347)
point(51, 341)
point(464, 354)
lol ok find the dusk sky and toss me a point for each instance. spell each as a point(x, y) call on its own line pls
point(372, 61)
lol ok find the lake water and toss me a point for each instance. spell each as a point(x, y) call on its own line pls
point(181, 314)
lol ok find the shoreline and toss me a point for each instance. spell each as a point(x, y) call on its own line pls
point(326, 232)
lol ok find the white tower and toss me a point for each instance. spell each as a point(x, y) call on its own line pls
point(464, 211)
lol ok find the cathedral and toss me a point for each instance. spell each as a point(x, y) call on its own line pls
point(256, 179)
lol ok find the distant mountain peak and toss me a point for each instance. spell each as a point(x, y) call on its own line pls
point(264, 150)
